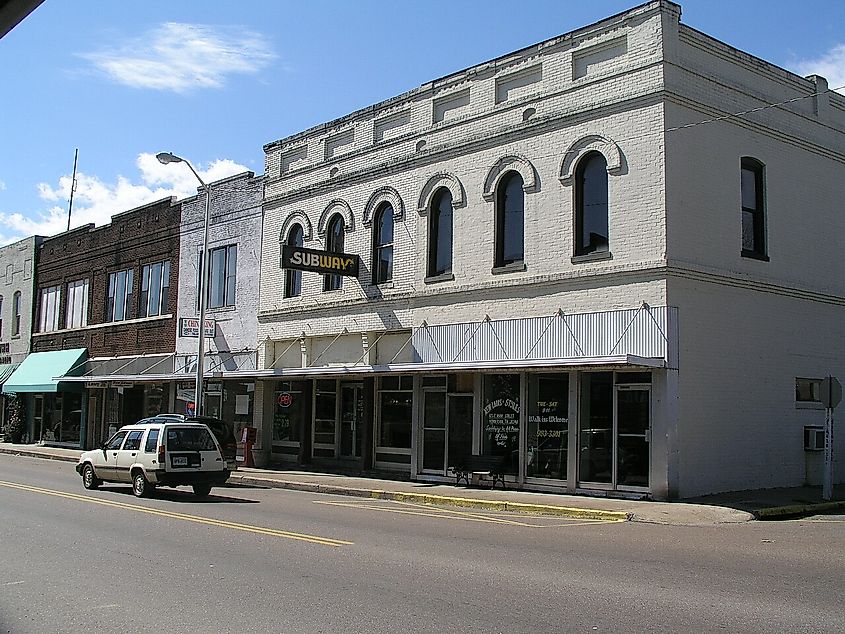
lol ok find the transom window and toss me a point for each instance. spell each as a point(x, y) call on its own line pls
point(510, 221)
point(119, 300)
point(334, 244)
point(383, 244)
point(753, 209)
point(155, 289)
point(591, 205)
point(440, 233)
point(77, 304)
point(293, 278)
point(48, 315)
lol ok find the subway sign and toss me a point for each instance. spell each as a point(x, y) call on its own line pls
point(315, 261)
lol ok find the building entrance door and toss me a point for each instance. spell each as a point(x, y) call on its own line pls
point(633, 436)
point(447, 430)
point(351, 419)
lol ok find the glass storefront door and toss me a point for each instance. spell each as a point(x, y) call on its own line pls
point(351, 418)
point(614, 428)
point(447, 430)
point(633, 409)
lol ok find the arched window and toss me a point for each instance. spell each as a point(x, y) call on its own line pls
point(510, 221)
point(383, 244)
point(16, 313)
point(293, 278)
point(753, 209)
point(591, 225)
point(334, 243)
point(440, 233)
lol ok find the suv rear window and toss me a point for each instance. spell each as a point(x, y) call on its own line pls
point(189, 439)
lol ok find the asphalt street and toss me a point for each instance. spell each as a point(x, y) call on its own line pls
point(271, 560)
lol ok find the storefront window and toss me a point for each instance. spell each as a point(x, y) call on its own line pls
point(500, 419)
point(395, 398)
point(596, 427)
point(288, 409)
point(548, 425)
point(325, 412)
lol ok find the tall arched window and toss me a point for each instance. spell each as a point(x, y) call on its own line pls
point(334, 243)
point(383, 244)
point(440, 234)
point(591, 225)
point(753, 209)
point(293, 278)
point(510, 220)
point(16, 313)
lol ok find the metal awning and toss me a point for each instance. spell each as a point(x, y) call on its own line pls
point(43, 371)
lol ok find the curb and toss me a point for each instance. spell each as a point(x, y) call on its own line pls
point(37, 454)
point(797, 510)
point(440, 500)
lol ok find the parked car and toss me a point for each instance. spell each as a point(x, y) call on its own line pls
point(160, 452)
point(223, 431)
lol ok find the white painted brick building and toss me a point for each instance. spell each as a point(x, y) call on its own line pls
point(691, 328)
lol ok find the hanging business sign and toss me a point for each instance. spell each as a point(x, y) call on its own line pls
point(325, 262)
point(190, 327)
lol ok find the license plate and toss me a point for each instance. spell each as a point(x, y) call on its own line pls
point(180, 461)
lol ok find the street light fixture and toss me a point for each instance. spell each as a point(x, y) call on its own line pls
point(165, 158)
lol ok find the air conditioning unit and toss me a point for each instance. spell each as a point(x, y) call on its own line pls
point(813, 438)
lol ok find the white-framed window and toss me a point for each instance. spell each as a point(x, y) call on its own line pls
point(48, 308)
point(119, 300)
point(77, 304)
point(223, 265)
point(155, 289)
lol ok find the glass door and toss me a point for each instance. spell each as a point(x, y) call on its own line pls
point(459, 428)
point(351, 417)
point(434, 433)
point(633, 435)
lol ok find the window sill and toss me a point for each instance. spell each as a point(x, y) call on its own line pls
point(754, 255)
point(385, 284)
point(595, 256)
point(221, 309)
point(436, 279)
point(809, 405)
point(513, 267)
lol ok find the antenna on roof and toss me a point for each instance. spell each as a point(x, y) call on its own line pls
point(72, 188)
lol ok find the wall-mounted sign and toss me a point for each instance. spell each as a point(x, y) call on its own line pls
point(96, 384)
point(190, 327)
point(326, 262)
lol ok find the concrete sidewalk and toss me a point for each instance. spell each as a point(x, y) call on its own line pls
point(734, 507)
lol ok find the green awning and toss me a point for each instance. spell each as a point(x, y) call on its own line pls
point(6, 370)
point(42, 371)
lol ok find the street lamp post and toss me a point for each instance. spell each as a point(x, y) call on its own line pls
point(164, 158)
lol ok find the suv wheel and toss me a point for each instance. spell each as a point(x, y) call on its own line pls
point(140, 487)
point(89, 478)
point(202, 490)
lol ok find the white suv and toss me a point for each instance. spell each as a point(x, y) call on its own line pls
point(159, 452)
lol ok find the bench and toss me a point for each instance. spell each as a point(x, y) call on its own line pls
point(472, 469)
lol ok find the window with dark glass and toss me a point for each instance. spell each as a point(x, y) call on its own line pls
point(591, 209)
point(753, 211)
point(395, 408)
point(440, 234)
point(500, 419)
point(151, 442)
point(155, 289)
point(383, 244)
point(293, 278)
point(16, 313)
point(510, 221)
point(119, 300)
point(334, 244)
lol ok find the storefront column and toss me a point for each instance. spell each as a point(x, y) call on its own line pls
point(263, 421)
point(305, 422)
point(367, 424)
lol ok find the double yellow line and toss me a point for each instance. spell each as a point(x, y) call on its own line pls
point(260, 530)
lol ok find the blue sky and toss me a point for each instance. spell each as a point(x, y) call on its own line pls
point(214, 81)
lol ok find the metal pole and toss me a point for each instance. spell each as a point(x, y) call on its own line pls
point(72, 188)
point(827, 485)
point(202, 290)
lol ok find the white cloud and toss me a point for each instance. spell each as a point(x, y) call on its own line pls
point(96, 202)
point(2, 185)
point(181, 57)
point(831, 66)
